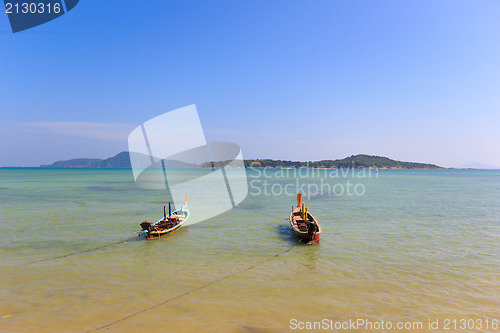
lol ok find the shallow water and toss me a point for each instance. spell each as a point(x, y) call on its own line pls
point(414, 246)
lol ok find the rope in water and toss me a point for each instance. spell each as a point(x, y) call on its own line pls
point(83, 251)
point(192, 291)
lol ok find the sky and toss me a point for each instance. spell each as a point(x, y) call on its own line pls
point(285, 79)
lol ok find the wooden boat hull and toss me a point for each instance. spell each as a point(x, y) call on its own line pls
point(155, 230)
point(307, 232)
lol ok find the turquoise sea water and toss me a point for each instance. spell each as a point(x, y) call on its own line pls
point(407, 246)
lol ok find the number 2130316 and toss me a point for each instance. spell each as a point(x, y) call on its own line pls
point(32, 8)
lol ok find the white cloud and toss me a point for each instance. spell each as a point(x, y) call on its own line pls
point(102, 131)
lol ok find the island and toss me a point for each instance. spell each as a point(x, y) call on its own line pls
point(360, 161)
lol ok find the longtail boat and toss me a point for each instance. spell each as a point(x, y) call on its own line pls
point(167, 224)
point(304, 225)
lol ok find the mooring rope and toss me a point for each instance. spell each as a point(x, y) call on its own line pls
point(87, 250)
point(192, 290)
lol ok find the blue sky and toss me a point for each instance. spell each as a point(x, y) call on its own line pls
point(301, 80)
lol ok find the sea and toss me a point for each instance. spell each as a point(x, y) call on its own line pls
point(400, 250)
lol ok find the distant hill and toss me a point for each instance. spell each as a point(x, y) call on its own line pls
point(122, 160)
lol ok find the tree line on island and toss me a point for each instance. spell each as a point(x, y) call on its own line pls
point(355, 161)
point(122, 160)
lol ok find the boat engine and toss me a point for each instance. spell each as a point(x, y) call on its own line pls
point(311, 229)
point(146, 225)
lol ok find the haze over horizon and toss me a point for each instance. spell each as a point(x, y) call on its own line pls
point(468, 166)
point(414, 81)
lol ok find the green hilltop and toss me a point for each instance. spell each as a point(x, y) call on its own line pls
point(354, 161)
